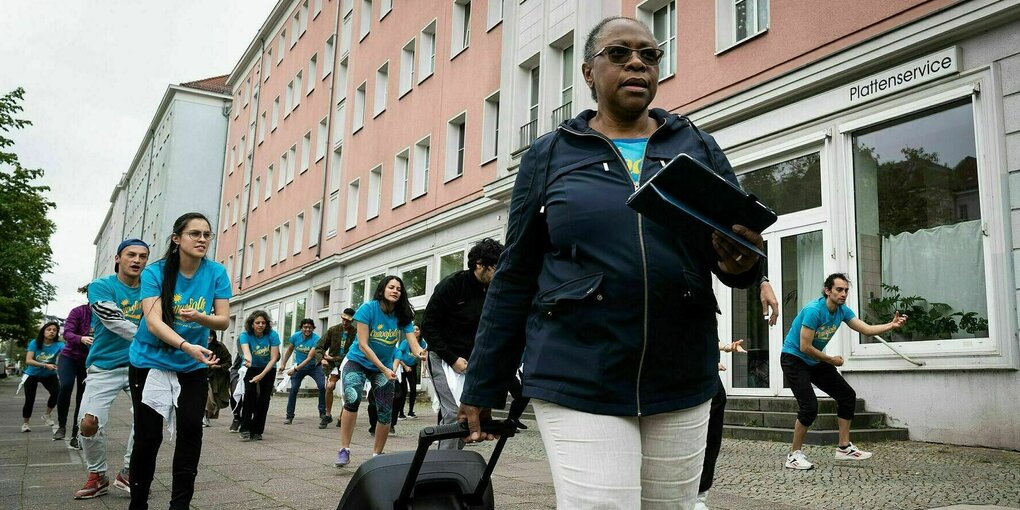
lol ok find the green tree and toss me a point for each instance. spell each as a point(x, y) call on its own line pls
point(25, 255)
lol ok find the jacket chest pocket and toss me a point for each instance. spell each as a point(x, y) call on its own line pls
point(570, 293)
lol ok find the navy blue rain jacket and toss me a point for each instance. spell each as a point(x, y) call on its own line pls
point(614, 314)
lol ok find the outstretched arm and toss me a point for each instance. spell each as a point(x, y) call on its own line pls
point(867, 329)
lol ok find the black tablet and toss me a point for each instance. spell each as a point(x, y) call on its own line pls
point(686, 194)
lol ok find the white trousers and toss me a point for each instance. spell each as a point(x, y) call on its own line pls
point(623, 462)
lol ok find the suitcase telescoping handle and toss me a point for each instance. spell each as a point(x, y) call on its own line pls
point(505, 429)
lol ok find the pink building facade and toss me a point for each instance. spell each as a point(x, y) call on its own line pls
point(882, 134)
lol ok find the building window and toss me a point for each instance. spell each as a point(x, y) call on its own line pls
point(357, 294)
point(490, 128)
point(230, 267)
point(256, 189)
point(916, 192)
point(245, 87)
point(339, 123)
point(276, 247)
point(374, 192)
point(289, 104)
point(317, 9)
point(249, 259)
point(401, 171)
point(312, 64)
point(281, 47)
point(291, 163)
point(455, 133)
point(450, 263)
point(328, 56)
point(262, 127)
point(359, 107)
point(299, 232)
point(494, 14)
point(366, 19)
point(352, 204)
point(529, 131)
point(341, 81)
point(563, 112)
point(382, 82)
point(427, 59)
point(739, 20)
point(267, 65)
point(303, 19)
point(333, 213)
point(422, 157)
point(406, 68)
point(461, 35)
point(664, 29)
point(276, 114)
point(284, 240)
point(234, 210)
point(321, 139)
point(263, 242)
point(334, 170)
point(269, 182)
point(306, 151)
point(297, 89)
point(385, 6)
point(346, 31)
point(313, 236)
point(415, 281)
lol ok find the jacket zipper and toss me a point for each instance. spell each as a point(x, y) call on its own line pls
point(641, 241)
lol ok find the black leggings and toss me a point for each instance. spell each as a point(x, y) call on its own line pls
point(714, 443)
point(149, 435)
point(71, 372)
point(799, 375)
point(31, 384)
point(255, 404)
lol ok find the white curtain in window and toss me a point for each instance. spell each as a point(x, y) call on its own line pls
point(810, 274)
point(942, 264)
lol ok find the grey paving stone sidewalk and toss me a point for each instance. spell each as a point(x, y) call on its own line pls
point(293, 468)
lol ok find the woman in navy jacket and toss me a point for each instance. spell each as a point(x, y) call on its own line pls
point(615, 314)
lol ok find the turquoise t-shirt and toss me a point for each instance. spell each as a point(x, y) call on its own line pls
point(43, 354)
point(817, 317)
point(383, 335)
point(110, 350)
point(209, 283)
point(404, 353)
point(633, 151)
point(302, 345)
point(260, 346)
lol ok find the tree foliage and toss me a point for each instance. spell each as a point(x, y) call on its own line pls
point(25, 230)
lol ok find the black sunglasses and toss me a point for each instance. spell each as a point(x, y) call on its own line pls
point(620, 55)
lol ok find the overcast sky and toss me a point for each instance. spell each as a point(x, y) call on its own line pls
point(94, 73)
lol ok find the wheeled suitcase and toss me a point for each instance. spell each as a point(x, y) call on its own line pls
point(428, 478)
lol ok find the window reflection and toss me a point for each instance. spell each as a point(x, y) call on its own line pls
point(791, 186)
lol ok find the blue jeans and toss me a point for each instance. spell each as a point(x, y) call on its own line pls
point(311, 370)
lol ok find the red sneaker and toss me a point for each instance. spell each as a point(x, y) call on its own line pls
point(123, 481)
point(97, 485)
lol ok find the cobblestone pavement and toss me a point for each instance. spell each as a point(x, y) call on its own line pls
point(293, 468)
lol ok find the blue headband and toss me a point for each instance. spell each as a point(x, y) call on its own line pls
point(131, 242)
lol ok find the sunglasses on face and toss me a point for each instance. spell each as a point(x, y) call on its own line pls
point(195, 235)
point(620, 55)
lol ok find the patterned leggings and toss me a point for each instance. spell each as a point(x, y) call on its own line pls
point(354, 377)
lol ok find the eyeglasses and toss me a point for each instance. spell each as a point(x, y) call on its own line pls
point(620, 55)
point(195, 235)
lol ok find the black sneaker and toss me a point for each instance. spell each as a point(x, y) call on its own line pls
point(324, 421)
point(234, 425)
point(520, 426)
point(60, 433)
point(256, 437)
point(401, 416)
point(412, 415)
point(245, 437)
point(288, 421)
point(73, 444)
point(371, 431)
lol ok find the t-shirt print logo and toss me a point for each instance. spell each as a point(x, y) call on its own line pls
point(262, 351)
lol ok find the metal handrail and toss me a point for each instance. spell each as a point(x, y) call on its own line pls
point(562, 113)
point(904, 356)
point(529, 132)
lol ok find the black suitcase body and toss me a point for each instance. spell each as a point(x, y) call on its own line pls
point(428, 478)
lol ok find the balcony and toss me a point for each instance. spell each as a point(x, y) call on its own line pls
point(529, 132)
point(562, 114)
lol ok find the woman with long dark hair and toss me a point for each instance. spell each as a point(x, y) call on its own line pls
point(260, 345)
point(382, 323)
point(41, 368)
point(71, 367)
point(184, 295)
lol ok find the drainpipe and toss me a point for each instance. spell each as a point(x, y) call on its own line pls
point(148, 177)
point(251, 168)
point(329, 132)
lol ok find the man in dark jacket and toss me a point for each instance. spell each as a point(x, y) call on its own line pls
point(333, 347)
point(450, 324)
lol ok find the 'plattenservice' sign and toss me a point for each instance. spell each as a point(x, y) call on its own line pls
point(916, 72)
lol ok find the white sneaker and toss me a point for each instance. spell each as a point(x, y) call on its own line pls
point(851, 452)
point(25, 428)
point(206, 422)
point(702, 502)
point(48, 420)
point(797, 460)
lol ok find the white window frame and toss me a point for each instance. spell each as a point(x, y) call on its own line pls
point(249, 260)
point(297, 89)
point(427, 53)
point(262, 128)
point(365, 26)
point(407, 66)
point(281, 46)
point(321, 139)
point(263, 246)
point(385, 6)
point(276, 115)
point(421, 163)
point(291, 163)
point(316, 225)
point(646, 12)
point(490, 128)
point(726, 23)
point(269, 181)
point(275, 250)
point(255, 192)
point(375, 179)
point(353, 190)
point(299, 232)
point(359, 106)
point(284, 240)
point(306, 151)
point(382, 85)
point(460, 31)
point(493, 14)
point(333, 214)
point(401, 177)
point(328, 55)
point(312, 69)
point(456, 147)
